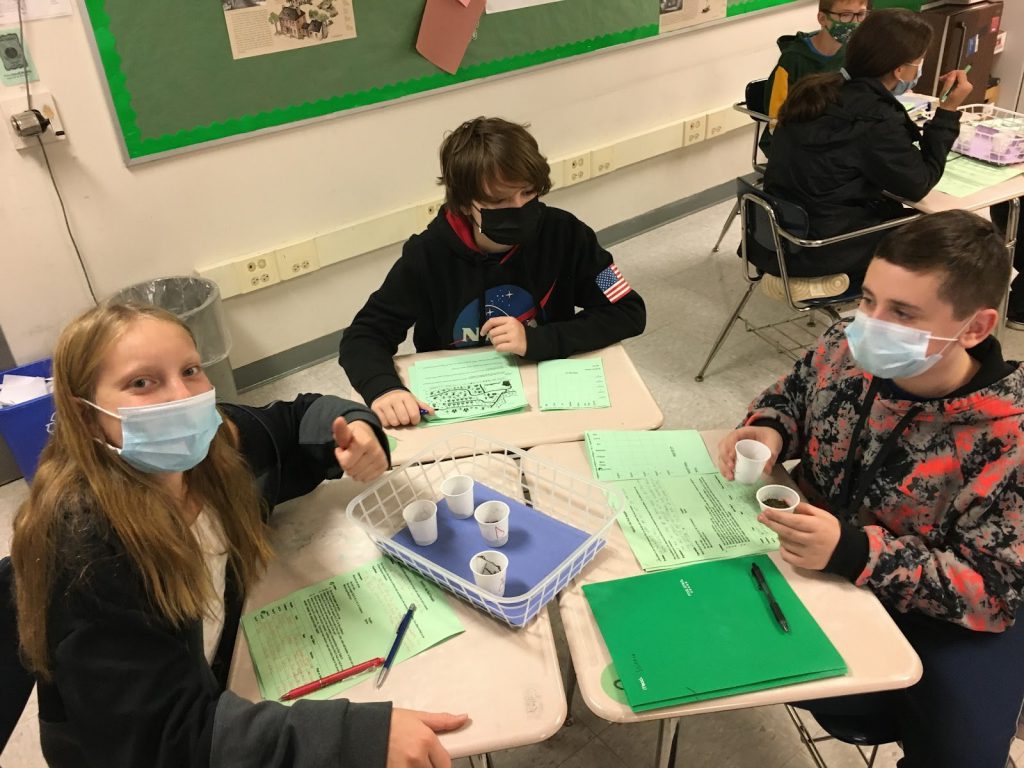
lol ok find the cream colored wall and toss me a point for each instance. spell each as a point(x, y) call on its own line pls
point(171, 216)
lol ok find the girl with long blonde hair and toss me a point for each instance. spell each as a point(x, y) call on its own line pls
point(145, 524)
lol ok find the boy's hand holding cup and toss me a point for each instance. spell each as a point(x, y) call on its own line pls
point(741, 460)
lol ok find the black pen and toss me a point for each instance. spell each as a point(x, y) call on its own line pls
point(763, 586)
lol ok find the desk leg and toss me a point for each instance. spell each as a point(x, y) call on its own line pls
point(668, 732)
point(480, 761)
point(1012, 221)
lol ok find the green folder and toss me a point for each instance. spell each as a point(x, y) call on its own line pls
point(705, 631)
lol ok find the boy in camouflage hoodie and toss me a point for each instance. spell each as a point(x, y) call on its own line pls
point(908, 426)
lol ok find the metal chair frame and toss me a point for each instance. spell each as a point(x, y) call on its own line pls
point(761, 123)
point(803, 310)
point(811, 742)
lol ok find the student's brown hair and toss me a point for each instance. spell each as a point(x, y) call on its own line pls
point(965, 248)
point(82, 490)
point(488, 149)
point(887, 39)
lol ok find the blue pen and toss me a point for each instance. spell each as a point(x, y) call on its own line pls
point(402, 627)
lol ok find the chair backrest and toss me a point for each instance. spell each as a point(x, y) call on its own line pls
point(757, 225)
point(18, 682)
point(755, 97)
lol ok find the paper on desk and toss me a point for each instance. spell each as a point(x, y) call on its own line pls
point(467, 387)
point(342, 622)
point(672, 521)
point(964, 176)
point(17, 389)
point(632, 455)
point(570, 384)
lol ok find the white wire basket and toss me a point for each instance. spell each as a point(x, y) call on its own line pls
point(569, 498)
point(992, 134)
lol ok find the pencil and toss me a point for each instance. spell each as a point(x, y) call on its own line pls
point(949, 90)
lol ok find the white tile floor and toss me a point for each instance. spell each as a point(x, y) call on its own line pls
point(689, 293)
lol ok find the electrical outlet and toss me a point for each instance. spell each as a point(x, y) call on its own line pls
point(724, 120)
point(296, 260)
point(602, 161)
point(694, 130)
point(428, 213)
point(42, 101)
point(577, 169)
point(255, 272)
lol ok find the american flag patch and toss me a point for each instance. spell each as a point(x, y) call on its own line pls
point(612, 284)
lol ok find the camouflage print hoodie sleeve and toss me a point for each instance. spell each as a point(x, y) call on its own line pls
point(936, 486)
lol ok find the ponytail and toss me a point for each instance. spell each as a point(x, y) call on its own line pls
point(810, 97)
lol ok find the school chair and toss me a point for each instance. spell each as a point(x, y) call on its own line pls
point(781, 227)
point(752, 104)
point(859, 731)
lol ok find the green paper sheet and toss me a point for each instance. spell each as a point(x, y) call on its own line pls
point(706, 631)
point(465, 387)
point(392, 443)
point(965, 176)
point(342, 622)
point(567, 385)
point(633, 455)
point(672, 521)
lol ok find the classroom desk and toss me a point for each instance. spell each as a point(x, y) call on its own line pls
point(632, 407)
point(1009, 191)
point(876, 653)
point(507, 680)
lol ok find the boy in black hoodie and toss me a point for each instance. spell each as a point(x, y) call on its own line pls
point(496, 266)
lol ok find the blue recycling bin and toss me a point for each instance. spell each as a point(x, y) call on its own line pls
point(25, 427)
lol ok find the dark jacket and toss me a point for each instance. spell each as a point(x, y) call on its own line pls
point(798, 58)
point(839, 165)
point(130, 690)
point(445, 287)
point(930, 493)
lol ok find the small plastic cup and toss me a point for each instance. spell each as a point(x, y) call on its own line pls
point(421, 517)
point(778, 498)
point(492, 517)
point(751, 456)
point(458, 492)
point(490, 571)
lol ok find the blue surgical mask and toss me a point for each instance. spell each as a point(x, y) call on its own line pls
point(903, 86)
point(893, 351)
point(167, 437)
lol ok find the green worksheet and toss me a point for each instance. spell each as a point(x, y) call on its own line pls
point(673, 521)
point(464, 387)
point(636, 454)
point(706, 631)
point(567, 385)
point(342, 622)
point(965, 176)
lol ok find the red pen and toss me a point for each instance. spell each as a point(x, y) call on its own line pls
point(336, 677)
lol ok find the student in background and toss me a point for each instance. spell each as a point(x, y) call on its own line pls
point(495, 267)
point(844, 141)
point(1015, 306)
point(907, 425)
point(145, 523)
point(807, 53)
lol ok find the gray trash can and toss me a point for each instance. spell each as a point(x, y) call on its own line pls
point(196, 301)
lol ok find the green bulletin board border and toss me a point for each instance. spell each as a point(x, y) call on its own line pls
point(138, 147)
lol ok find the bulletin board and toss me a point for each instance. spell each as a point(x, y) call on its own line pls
point(174, 83)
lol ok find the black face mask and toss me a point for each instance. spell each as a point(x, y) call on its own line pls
point(510, 226)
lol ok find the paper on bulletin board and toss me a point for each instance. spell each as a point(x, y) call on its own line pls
point(678, 14)
point(259, 27)
point(498, 6)
point(33, 9)
point(446, 31)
